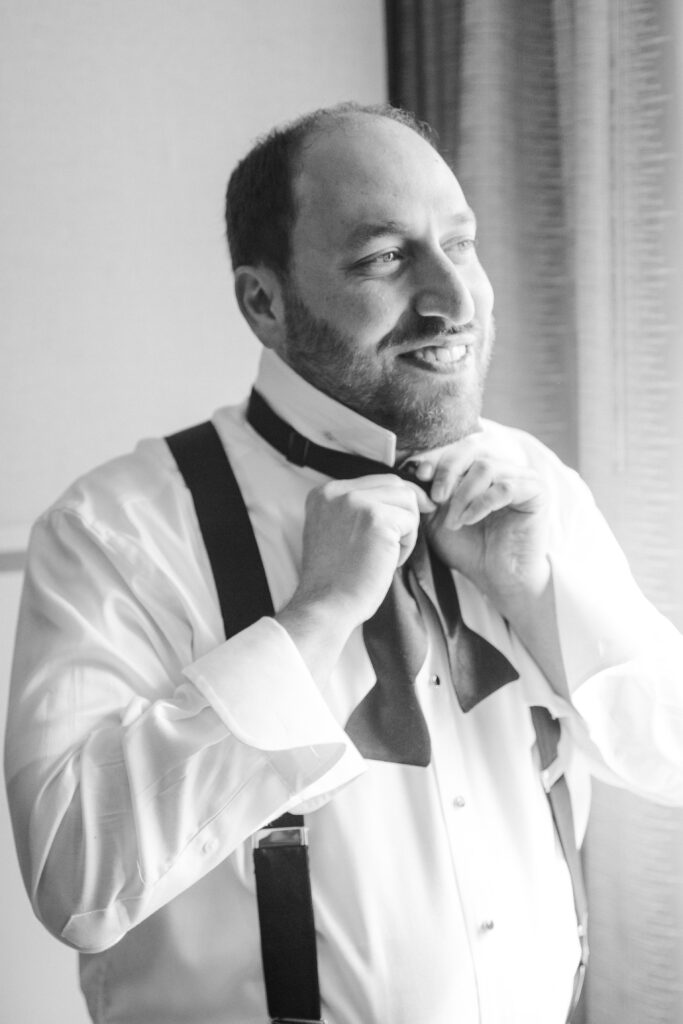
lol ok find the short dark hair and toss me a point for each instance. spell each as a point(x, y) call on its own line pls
point(260, 209)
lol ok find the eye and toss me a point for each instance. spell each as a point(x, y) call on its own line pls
point(384, 258)
point(381, 262)
point(462, 247)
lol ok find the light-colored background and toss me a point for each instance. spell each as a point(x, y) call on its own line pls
point(120, 121)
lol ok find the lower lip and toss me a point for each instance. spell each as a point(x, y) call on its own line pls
point(443, 366)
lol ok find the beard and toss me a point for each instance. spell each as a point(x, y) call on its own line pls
point(423, 413)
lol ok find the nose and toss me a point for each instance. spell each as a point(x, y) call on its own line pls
point(442, 290)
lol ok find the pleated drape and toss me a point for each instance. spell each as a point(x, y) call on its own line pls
point(562, 120)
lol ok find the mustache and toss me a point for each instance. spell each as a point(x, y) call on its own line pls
point(427, 328)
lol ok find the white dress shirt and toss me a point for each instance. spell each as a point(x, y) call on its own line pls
point(143, 750)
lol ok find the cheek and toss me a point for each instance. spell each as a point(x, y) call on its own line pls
point(365, 310)
point(482, 293)
point(365, 313)
point(374, 306)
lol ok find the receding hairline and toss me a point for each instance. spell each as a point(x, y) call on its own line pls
point(328, 120)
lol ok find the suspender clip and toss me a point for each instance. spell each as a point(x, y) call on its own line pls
point(266, 837)
point(297, 1020)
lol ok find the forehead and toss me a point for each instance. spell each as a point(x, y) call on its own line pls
point(370, 169)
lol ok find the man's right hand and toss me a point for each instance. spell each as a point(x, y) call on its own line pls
point(356, 534)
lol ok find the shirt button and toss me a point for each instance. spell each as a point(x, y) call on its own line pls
point(209, 846)
point(487, 926)
point(459, 801)
point(434, 680)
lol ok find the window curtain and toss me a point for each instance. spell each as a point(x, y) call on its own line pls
point(562, 120)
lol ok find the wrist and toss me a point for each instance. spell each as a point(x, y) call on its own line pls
point(320, 627)
point(531, 613)
point(325, 608)
point(518, 593)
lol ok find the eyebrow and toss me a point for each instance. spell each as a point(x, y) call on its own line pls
point(367, 232)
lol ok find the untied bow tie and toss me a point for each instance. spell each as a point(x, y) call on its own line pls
point(388, 724)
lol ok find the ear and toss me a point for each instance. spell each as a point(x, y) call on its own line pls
point(259, 295)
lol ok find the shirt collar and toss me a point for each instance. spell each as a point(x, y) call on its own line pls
point(317, 416)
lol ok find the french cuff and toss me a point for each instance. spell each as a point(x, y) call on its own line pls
point(261, 688)
point(597, 626)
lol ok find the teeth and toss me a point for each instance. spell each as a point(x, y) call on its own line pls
point(440, 355)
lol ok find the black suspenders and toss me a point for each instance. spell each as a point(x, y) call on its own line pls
point(283, 889)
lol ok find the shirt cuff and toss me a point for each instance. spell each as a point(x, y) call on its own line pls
point(261, 688)
point(599, 624)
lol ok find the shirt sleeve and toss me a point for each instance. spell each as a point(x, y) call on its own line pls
point(623, 659)
point(133, 768)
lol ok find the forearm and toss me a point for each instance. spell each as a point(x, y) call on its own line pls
point(319, 629)
point(531, 612)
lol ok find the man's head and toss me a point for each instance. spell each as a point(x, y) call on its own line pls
point(358, 267)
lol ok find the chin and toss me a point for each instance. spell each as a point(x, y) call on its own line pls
point(421, 434)
point(422, 426)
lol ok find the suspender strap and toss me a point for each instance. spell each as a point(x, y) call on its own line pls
point(224, 522)
point(285, 907)
point(555, 785)
point(283, 887)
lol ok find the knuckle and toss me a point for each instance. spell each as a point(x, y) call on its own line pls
point(480, 466)
point(357, 501)
point(318, 494)
point(373, 517)
point(330, 489)
point(313, 499)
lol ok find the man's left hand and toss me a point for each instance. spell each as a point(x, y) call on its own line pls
point(491, 523)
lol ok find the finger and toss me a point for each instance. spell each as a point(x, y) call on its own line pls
point(384, 487)
point(474, 483)
point(363, 483)
point(445, 466)
point(397, 525)
point(407, 540)
point(419, 469)
point(424, 503)
point(518, 493)
point(452, 466)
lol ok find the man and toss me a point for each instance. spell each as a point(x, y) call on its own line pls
point(144, 750)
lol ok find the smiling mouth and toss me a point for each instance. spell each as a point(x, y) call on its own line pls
point(437, 357)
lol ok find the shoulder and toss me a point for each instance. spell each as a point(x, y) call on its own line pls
point(121, 491)
point(136, 500)
point(534, 452)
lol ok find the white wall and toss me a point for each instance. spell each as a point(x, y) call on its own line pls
point(120, 121)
